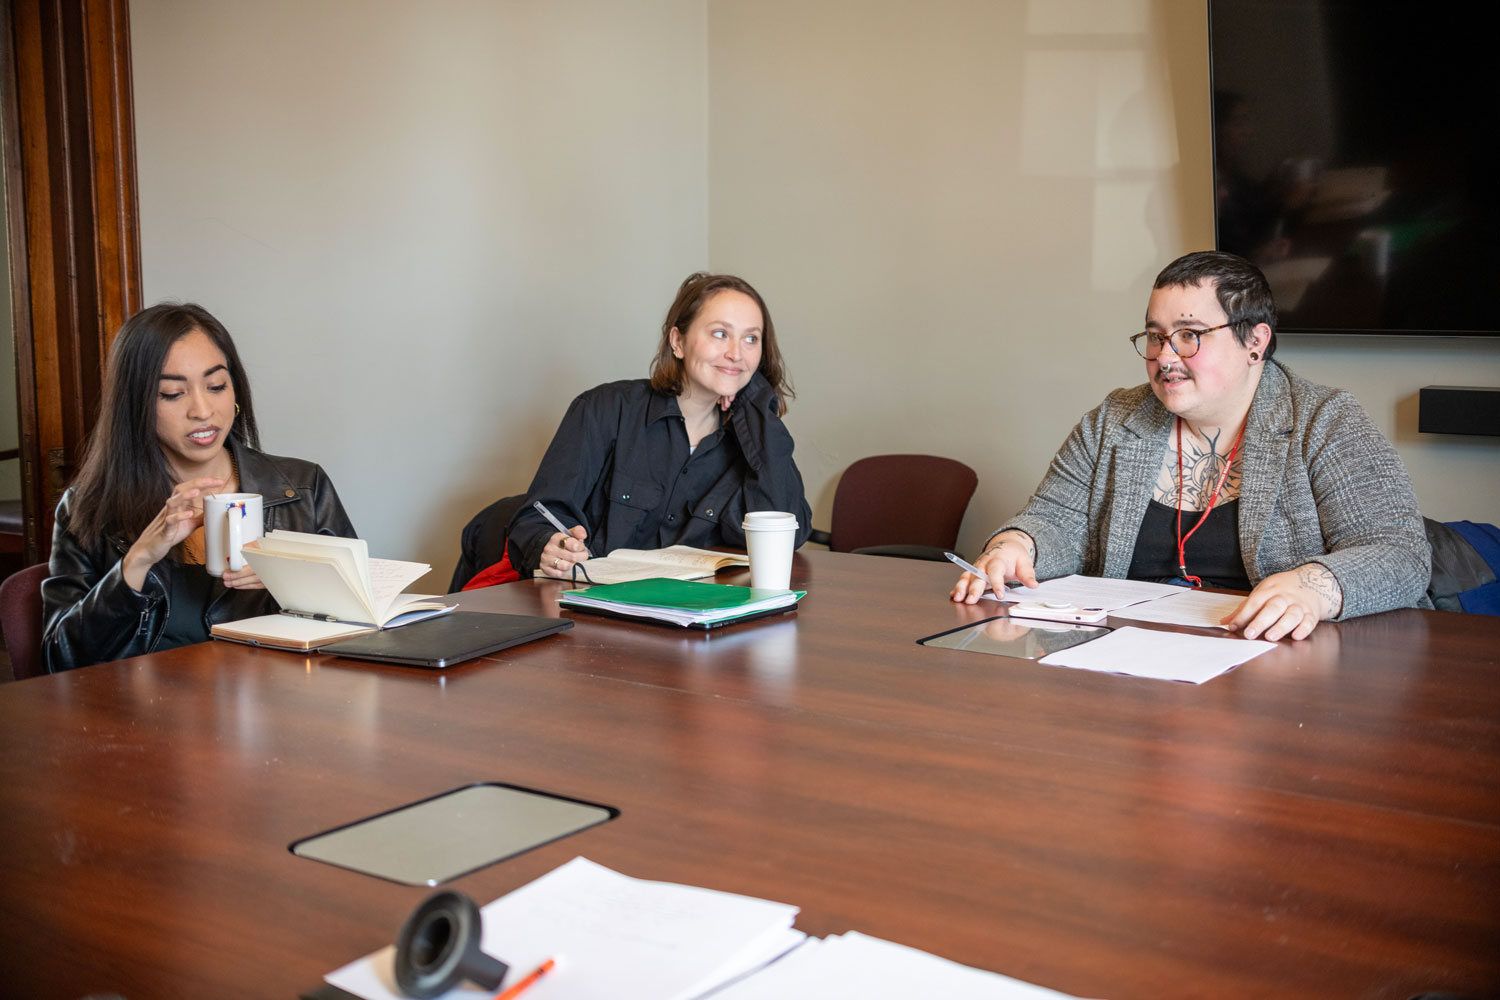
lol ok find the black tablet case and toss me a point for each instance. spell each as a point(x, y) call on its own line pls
point(447, 639)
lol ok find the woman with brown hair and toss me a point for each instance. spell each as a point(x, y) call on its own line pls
point(680, 457)
point(177, 423)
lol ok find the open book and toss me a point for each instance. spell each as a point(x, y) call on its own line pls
point(332, 581)
point(677, 562)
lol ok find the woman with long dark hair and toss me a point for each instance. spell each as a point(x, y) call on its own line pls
point(677, 458)
point(176, 424)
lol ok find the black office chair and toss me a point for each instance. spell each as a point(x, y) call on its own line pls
point(483, 542)
point(21, 620)
point(907, 506)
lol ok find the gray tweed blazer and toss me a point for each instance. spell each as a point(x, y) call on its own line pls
point(1319, 483)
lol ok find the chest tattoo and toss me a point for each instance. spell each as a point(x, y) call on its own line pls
point(1201, 469)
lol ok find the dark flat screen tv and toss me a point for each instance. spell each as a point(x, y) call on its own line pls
point(1355, 161)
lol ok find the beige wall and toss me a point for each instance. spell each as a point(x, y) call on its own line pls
point(430, 225)
point(956, 209)
point(427, 225)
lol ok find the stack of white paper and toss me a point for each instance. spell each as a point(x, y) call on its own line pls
point(614, 938)
point(1196, 608)
point(1089, 592)
point(619, 938)
point(758, 602)
point(1169, 656)
point(865, 968)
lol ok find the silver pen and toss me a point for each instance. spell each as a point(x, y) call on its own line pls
point(541, 508)
point(968, 566)
point(999, 591)
point(309, 614)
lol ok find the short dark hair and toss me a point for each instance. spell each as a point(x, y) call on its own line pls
point(1242, 290)
point(696, 289)
point(124, 478)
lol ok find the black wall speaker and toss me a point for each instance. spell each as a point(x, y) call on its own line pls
point(1458, 409)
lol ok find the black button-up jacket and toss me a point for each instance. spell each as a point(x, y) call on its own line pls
point(619, 465)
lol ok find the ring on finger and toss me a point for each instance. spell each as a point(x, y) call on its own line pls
point(555, 563)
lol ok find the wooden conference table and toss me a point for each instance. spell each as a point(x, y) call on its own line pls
point(1321, 822)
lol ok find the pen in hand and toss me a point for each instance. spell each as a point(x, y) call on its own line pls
point(999, 591)
point(551, 519)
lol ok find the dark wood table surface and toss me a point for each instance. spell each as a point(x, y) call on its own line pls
point(1321, 822)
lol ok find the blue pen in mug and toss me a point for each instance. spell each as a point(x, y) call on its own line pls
point(229, 521)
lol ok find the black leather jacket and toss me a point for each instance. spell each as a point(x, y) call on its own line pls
point(94, 616)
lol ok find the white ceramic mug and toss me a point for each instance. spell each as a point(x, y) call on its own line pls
point(770, 536)
point(229, 521)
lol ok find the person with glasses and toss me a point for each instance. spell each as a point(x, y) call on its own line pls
point(1226, 470)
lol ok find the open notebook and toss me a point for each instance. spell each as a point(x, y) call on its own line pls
point(676, 562)
point(329, 589)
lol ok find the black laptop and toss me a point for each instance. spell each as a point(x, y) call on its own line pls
point(447, 639)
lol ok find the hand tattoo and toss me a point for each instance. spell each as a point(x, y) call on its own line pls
point(1317, 578)
point(1030, 547)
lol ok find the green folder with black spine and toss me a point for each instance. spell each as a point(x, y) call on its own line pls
point(681, 602)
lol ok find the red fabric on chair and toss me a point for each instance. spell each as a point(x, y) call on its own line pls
point(500, 572)
point(483, 544)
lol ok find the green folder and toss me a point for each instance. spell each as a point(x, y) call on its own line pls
point(680, 602)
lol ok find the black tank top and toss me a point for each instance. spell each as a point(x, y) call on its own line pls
point(1213, 553)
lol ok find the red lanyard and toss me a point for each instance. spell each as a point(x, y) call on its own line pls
point(1213, 498)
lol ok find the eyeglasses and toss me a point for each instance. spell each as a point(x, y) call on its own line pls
point(1184, 342)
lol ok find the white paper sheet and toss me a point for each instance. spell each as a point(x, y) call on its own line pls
point(1186, 607)
point(858, 967)
point(1089, 592)
point(1168, 656)
point(615, 938)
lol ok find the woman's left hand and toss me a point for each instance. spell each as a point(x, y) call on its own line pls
point(242, 579)
point(1290, 603)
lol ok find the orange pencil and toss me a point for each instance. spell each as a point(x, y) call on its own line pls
point(525, 984)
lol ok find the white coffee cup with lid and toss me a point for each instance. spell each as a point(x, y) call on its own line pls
point(770, 537)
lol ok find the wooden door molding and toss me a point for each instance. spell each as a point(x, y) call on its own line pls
point(75, 241)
